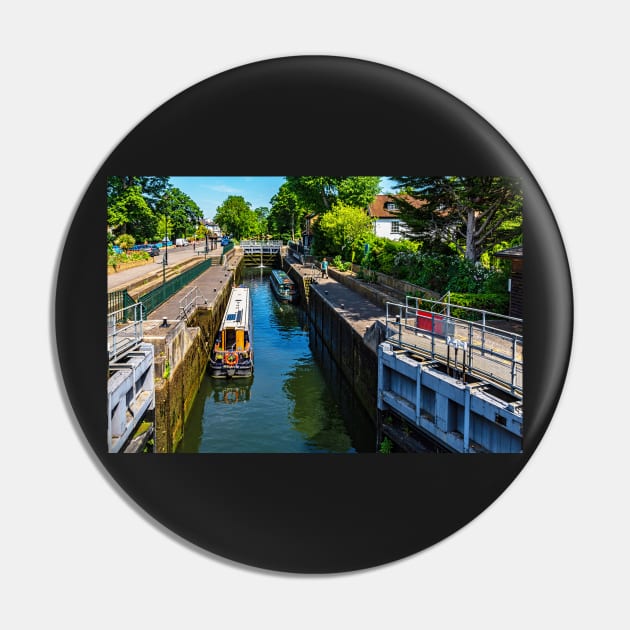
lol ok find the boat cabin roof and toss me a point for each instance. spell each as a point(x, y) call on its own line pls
point(237, 313)
point(282, 276)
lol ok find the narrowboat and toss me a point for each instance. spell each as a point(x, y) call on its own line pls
point(233, 354)
point(283, 286)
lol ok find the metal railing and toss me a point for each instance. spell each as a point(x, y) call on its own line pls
point(490, 350)
point(191, 299)
point(303, 254)
point(118, 300)
point(124, 330)
point(462, 312)
point(151, 300)
point(266, 246)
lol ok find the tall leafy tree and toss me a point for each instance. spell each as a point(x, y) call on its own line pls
point(131, 204)
point(286, 214)
point(472, 213)
point(184, 215)
point(319, 193)
point(262, 218)
point(152, 187)
point(337, 231)
point(236, 217)
point(129, 213)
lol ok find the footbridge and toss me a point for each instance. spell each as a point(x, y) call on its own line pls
point(260, 252)
point(454, 372)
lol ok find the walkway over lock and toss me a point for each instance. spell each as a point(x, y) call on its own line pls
point(261, 247)
point(477, 343)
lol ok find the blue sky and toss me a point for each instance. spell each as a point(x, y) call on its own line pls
point(210, 192)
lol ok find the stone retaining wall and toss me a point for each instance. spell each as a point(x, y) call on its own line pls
point(406, 288)
point(186, 349)
point(354, 357)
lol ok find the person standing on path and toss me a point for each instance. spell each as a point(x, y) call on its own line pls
point(324, 268)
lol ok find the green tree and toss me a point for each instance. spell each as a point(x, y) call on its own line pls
point(201, 231)
point(337, 231)
point(131, 204)
point(471, 213)
point(236, 217)
point(286, 214)
point(183, 213)
point(164, 228)
point(319, 193)
point(262, 220)
point(152, 187)
point(130, 213)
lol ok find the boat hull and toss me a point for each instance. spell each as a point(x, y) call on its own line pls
point(218, 370)
point(232, 355)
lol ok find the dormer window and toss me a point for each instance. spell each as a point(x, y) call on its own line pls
point(390, 205)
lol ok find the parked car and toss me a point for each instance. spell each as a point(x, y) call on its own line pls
point(154, 251)
point(181, 242)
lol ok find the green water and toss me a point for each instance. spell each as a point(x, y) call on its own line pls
point(290, 405)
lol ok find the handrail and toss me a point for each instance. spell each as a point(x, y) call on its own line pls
point(489, 352)
point(118, 299)
point(160, 294)
point(255, 243)
point(483, 315)
point(124, 330)
point(190, 299)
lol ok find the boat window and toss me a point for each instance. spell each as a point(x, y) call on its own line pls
point(230, 339)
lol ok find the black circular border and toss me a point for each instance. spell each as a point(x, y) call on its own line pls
point(316, 513)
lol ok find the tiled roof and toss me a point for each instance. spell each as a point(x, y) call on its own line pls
point(512, 252)
point(377, 208)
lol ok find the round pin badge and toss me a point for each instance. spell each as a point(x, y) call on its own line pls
point(309, 373)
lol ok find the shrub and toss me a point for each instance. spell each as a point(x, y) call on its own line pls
point(494, 302)
point(384, 252)
point(339, 264)
point(114, 260)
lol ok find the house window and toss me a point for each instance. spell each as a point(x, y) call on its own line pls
point(395, 227)
point(390, 205)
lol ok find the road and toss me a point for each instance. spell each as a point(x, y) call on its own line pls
point(175, 255)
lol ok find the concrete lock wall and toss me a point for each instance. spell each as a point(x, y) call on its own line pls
point(462, 416)
point(176, 390)
point(356, 360)
point(180, 365)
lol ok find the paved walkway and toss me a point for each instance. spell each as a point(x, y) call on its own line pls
point(361, 313)
point(153, 269)
point(209, 284)
point(357, 310)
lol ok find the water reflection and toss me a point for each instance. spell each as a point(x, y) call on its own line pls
point(290, 405)
point(231, 391)
point(315, 413)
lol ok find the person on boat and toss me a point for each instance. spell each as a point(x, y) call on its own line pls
point(324, 268)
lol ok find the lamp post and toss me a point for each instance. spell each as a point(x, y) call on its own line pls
point(165, 255)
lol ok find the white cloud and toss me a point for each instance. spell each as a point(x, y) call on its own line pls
point(223, 188)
